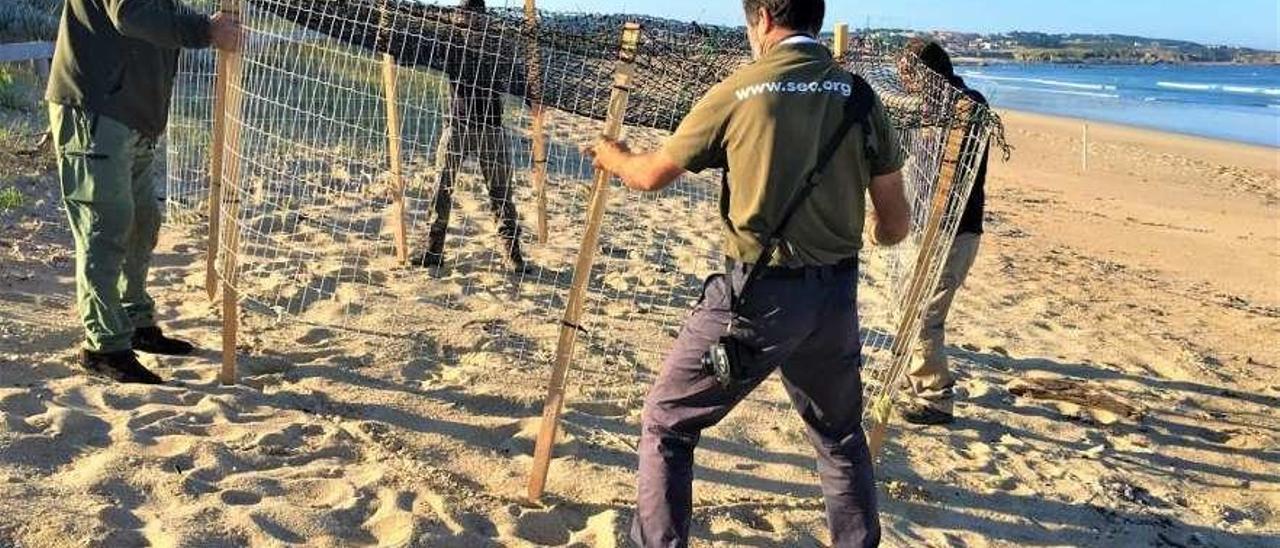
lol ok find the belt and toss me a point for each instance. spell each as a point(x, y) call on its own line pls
point(844, 267)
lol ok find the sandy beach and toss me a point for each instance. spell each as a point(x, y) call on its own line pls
point(1117, 346)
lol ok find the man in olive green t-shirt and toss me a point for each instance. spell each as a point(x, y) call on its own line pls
point(767, 124)
point(109, 88)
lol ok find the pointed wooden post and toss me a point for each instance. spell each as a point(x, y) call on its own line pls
point(922, 281)
point(389, 84)
point(534, 79)
point(391, 93)
point(215, 164)
point(840, 43)
point(227, 126)
point(569, 327)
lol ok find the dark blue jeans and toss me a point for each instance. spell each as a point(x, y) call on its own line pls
point(807, 326)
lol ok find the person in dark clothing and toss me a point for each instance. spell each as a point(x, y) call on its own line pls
point(930, 376)
point(474, 130)
point(109, 89)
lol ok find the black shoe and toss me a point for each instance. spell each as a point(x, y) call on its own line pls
point(119, 366)
point(928, 416)
point(429, 260)
point(434, 255)
point(152, 341)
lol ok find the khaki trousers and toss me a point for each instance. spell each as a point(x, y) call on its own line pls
point(930, 376)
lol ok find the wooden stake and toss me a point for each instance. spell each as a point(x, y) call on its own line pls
point(389, 84)
point(538, 130)
point(215, 168)
point(1084, 150)
point(540, 169)
point(917, 290)
point(840, 45)
point(569, 327)
point(227, 116)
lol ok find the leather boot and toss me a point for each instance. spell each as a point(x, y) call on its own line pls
point(152, 341)
point(122, 366)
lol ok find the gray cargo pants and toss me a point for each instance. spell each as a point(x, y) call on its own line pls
point(808, 327)
point(488, 145)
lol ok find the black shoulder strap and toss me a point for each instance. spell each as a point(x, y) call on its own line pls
point(857, 109)
point(862, 111)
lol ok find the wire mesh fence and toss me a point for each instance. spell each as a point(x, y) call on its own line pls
point(313, 203)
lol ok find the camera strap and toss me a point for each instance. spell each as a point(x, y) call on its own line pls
point(857, 109)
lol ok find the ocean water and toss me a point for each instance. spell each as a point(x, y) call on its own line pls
point(1236, 103)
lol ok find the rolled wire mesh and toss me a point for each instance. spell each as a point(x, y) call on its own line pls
point(946, 136)
point(313, 193)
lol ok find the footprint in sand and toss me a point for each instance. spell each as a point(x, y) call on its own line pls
point(319, 492)
point(550, 527)
point(315, 336)
point(751, 518)
point(601, 409)
point(394, 522)
point(977, 458)
point(141, 422)
point(239, 498)
point(119, 518)
point(17, 405)
point(520, 436)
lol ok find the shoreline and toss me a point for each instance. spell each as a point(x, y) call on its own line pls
point(1155, 132)
point(981, 61)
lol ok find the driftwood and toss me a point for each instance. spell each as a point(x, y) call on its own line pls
point(1072, 391)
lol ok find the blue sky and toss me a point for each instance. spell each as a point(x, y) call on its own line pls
point(1252, 23)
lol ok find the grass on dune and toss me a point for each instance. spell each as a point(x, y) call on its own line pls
point(29, 20)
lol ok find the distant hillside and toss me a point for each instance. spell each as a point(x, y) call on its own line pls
point(23, 20)
point(1080, 48)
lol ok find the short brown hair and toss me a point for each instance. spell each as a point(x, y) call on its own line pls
point(801, 15)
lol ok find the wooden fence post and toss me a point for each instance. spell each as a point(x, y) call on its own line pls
point(389, 84)
point(538, 129)
point(840, 44)
point(569, 327)
point(225, 165)
point(917, 289)
point(1084, 150)
point(216, 151)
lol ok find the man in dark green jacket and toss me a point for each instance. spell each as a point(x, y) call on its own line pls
point(109, 89)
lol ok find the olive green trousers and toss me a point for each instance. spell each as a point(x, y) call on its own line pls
point(108, 187)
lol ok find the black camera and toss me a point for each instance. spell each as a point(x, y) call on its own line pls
point(724, 361)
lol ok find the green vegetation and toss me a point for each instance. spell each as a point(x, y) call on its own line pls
point(10, 199)
point(16, 89)
point(29, 20)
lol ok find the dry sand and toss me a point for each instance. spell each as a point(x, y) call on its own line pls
point(1117, 348)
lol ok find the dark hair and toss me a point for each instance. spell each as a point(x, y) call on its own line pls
point(801, 15)
point(933, 56)
point(473, 5)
